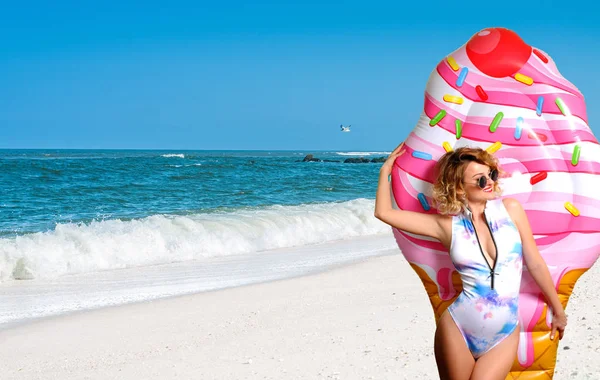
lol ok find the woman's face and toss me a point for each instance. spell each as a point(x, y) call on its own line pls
point(473, 172)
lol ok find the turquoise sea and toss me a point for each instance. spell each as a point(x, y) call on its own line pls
point(77, 216)
point(45, 188)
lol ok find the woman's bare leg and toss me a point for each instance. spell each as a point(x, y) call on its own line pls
point(453, 357)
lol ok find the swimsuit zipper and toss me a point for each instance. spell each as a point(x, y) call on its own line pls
point(492, 270)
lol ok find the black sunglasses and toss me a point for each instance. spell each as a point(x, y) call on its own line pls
point(483, 180)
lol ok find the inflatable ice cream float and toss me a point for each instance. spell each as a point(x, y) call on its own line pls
point(501, 94)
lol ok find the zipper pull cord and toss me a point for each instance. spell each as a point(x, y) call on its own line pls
point(493, 275)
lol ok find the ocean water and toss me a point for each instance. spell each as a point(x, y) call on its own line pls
point(69, 213)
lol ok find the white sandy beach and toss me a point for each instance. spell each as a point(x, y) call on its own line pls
point(370, 320)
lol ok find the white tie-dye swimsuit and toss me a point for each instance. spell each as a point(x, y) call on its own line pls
point(486, 311)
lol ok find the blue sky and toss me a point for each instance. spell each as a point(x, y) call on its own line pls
point(242, 75)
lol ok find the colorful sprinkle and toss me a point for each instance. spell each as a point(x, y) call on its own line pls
point(540, 55)
point(422, 155)
point(447, 146)
point(540, 104)
point(537, 136)
point(458, 127)
point(462, 76)
point(482, 95)
point(571, 208)
point(496, 121)
point(453, 99)
point(423, 201)
point(538, 177)
point(453, 63)
point(524, 79)
point(494, 147)
point(576, 153)
point(437, 118)
point(519, 128)
point(562, 106)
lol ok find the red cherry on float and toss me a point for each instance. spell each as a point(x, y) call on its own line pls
point(498, 52)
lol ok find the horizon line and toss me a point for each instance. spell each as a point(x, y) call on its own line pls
point(205, 150)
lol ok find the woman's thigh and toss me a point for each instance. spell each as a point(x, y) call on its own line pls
point(454, 359)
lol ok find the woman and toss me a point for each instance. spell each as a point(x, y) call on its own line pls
point(488, 239)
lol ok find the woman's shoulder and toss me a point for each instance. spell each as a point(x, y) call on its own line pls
point(514, 209)
point(511, 204)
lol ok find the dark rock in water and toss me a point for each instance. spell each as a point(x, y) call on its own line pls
point(379, 159)
point(311, 158)
point(359, 160)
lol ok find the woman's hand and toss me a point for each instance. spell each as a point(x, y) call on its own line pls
point(559, 322)
point(388, 165)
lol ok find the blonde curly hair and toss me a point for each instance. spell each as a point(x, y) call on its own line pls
point(450, 170)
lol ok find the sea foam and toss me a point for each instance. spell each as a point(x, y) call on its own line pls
point(114, 244)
